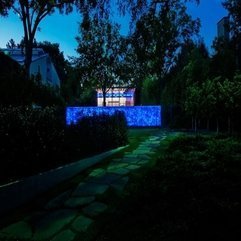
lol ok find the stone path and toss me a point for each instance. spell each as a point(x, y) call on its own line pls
point(73, 212)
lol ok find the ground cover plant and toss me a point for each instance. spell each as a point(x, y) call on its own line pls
point(192, 193)
point(36, 139)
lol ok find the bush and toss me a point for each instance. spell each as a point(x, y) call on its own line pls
point(34, 140)
point(98, 133)
point(30, 139)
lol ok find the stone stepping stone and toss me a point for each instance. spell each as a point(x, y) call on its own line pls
point(129, 160)
point(58, 201)
point(19, 230)
point(117, 160)
point(52, 223)
point(107, 179)
point(120, 184)
point(97, 172)
point(75, 202)
point(142, 162)
point(82, 223)
point(113, 166)
point(66, 235)
point(94, 209)
point(144, 157)
point(131, 156)
point(139, 152)
point(133, 167)
point(90, 189)
point(119, 171)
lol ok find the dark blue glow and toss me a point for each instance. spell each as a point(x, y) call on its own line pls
point(143, 116)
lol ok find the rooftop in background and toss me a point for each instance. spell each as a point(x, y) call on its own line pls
point(18, 54)
point(41, 64)
point(223, 28)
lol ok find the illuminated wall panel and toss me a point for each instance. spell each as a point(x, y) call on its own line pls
point(145, 116)
point(117, 97)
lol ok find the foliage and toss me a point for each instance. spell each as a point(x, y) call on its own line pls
point(36, 139)
point(56, 56)
point(159, 34)
point(223, 61)
point(15, 89)
point(193, 193)
point(100, 52)
point(234, 9)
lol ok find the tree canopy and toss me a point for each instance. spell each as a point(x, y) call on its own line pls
point(100, 52)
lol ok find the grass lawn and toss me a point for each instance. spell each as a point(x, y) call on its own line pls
point(192, 193)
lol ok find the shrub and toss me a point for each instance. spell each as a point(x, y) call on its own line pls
point(36, 139)
point(98, 133)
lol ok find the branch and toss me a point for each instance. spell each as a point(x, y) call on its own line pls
point(17, 11)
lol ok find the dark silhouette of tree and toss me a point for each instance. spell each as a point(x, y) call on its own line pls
point(159, 35)
point(11, 44)
point(101, 51)
point(234, 9)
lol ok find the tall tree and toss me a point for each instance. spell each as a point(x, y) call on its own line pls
point(234, 9)
point(32, 12)
point(159, 35)
point(101, 51)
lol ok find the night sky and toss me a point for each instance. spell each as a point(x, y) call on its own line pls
point(63, 29)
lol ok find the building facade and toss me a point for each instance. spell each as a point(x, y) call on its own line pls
point(223, 28)
point(41, 64)
point(117, 97)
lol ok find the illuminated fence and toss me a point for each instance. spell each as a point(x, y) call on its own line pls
point(145, 116)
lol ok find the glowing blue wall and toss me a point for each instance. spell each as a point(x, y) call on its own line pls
point(145, 116)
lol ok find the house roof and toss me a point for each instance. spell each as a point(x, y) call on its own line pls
point(18, 54)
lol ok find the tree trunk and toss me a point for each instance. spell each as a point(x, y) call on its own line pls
point(195, 124)
point(229, 125)
point(28, 57)
point(104, 98)
point(217, 122)
point(208, 124)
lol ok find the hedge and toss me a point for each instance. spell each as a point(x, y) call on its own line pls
point(35, 140)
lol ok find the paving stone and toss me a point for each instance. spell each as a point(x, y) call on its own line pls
point(107, 179)
point(66, 235)
point(58, 201)
point(131, 156)
point(133, 167)
point(117, 160)
point(90, 189)
point(120, 184)
point(75, 202)
point(52, 223)
point(119, 171)
point(81, 224)
point(144, 157)
point(97, 172)
point(142, 162)
point(94, 209)
point(130, 160)
point(19, 230)
point(116, 165)
point(139, 152)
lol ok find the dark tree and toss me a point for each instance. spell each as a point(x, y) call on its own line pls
point(159, 35)
point(234, 9)
point(101, 51)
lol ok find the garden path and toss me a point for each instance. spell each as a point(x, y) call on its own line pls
point(71, 214)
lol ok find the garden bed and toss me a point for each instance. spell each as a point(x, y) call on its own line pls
point(192, 193)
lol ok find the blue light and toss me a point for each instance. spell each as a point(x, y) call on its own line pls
point(143, 116)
